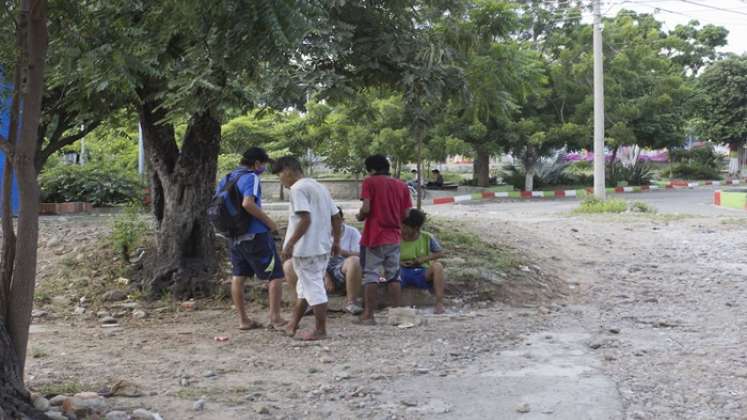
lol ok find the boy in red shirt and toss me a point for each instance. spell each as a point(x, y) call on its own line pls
point(386, 201)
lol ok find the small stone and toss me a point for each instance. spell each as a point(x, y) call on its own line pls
point(139, 314)
point(103, 314)
point(55, 415)
point(741, 373)
point(313, 370)
point(409, 403)
point(421, 371)
point(189, 305)
point(109, 320)
point(57, 400)
point(38, 313)
point(523, 408)
point(595, 345)
point(79, 310)
point(142, 414)
point(184, 381)
point(262, 409)
point(614, 331)
point(117, 415)
point(327, 360)
point(114, 296)
point(41, 404)
point(199, 405)
point(210, 374)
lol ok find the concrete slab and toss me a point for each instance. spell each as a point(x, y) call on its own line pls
point(555, 375)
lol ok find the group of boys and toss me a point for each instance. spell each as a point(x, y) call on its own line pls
point(321, 254)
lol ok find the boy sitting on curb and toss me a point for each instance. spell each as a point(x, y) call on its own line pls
point(419, 252)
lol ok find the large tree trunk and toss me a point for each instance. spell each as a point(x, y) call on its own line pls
point(14, 399)
point(16, 301)
point(482, 166)
point(184, 182)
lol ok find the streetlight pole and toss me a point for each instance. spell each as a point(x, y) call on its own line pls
point(599, 186)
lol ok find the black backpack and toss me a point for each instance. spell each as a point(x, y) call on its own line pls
point(225, 212)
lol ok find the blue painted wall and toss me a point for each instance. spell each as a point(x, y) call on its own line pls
point(4, 130)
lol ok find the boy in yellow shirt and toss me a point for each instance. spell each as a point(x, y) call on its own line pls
point(419, 252)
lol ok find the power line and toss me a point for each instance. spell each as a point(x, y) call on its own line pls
point(714, 7)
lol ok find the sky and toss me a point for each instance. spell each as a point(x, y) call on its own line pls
point(733, 15)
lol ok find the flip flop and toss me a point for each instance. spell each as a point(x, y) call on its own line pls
point(253, 325)
point(309, 336)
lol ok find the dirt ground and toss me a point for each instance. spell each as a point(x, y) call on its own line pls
point(649, 325)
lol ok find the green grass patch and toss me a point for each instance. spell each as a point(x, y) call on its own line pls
point(69, 387)
point(592, 205)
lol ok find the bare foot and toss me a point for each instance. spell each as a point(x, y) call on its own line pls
point(364, 321)
point(277, 324)
point(312, 336)
point(439, 309)
point(249, 324)
point(290, 331)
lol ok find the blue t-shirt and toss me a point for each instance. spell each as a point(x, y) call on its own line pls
point(249, 186)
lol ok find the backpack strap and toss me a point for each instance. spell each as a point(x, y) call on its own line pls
point(230, 183)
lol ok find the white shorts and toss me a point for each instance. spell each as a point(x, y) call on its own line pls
point(310, 272)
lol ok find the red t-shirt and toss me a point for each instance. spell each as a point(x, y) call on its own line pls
point(389, 198)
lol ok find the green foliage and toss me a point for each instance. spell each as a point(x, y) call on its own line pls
point(641, 207)
point(595, 206)
point(723, 100)
point(227, 163)
point(592, 205)
point(694, 170)
point(128, 229)
point(697, 163)
point(548, 173)
point(618, 175)
point(98, 183)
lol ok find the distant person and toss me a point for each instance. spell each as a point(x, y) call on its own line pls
point(385, 203)
point(419, 252)
point(254, 253)
point(313, 233)
point(438, 179)
point(343, 271)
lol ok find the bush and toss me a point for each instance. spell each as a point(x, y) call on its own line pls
point(696, 163)
point(96, 183)
point(548, 172)
point(128, 230)
point(618, 174)
point(594, 205)
point(694, 171)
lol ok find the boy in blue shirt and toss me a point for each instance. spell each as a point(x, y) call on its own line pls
point(255, 253)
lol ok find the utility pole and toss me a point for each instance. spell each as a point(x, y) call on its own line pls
point(599, 187)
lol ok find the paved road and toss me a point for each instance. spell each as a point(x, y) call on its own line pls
point(696, 201)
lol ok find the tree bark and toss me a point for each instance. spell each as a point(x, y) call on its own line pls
point(14, 399)
point(184, 182)
point(529, 179)
point(24, 270)
point(482, 166)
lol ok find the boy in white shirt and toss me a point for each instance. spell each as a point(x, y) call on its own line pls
point(344, 271)
point(314, 227)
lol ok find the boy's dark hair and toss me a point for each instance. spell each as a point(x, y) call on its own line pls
point(287, 162)
point(254, 155)
point(436, 171)
point(415, 219)
point(377, 164)
point(342, 215)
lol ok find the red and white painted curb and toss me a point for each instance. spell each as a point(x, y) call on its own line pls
point(489, 195)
